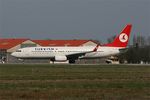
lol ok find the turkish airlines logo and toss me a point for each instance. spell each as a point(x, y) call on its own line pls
point(123, 37)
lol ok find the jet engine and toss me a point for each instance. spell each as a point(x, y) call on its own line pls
point(60, 58)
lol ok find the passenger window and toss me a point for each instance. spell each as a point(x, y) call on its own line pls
point(18, 50)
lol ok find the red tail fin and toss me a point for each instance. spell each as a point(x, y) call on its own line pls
point(122, 39)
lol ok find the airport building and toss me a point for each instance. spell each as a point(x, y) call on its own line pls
point(7, 46)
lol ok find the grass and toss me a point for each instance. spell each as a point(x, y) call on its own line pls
point(74, 82)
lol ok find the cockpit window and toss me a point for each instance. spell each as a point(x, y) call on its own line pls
point(18, 50)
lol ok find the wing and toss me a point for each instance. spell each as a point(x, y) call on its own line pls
point(77, 55)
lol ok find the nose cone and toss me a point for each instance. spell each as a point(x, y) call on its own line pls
point(14, 54)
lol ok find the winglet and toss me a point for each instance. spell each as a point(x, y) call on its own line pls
point(95, 49)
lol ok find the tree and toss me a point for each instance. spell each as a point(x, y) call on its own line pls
point(148, 40)
point(140, 40)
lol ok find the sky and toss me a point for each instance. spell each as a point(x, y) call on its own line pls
point(72, 19)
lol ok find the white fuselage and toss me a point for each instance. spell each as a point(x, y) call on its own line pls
point(50, 52)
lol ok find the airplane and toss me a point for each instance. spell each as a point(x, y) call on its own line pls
point(61, 54)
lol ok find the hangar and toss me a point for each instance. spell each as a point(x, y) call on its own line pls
point(7, 46)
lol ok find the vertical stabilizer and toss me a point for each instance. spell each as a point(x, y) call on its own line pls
point(122, 39)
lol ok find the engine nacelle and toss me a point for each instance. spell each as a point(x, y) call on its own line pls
point(60, 58)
